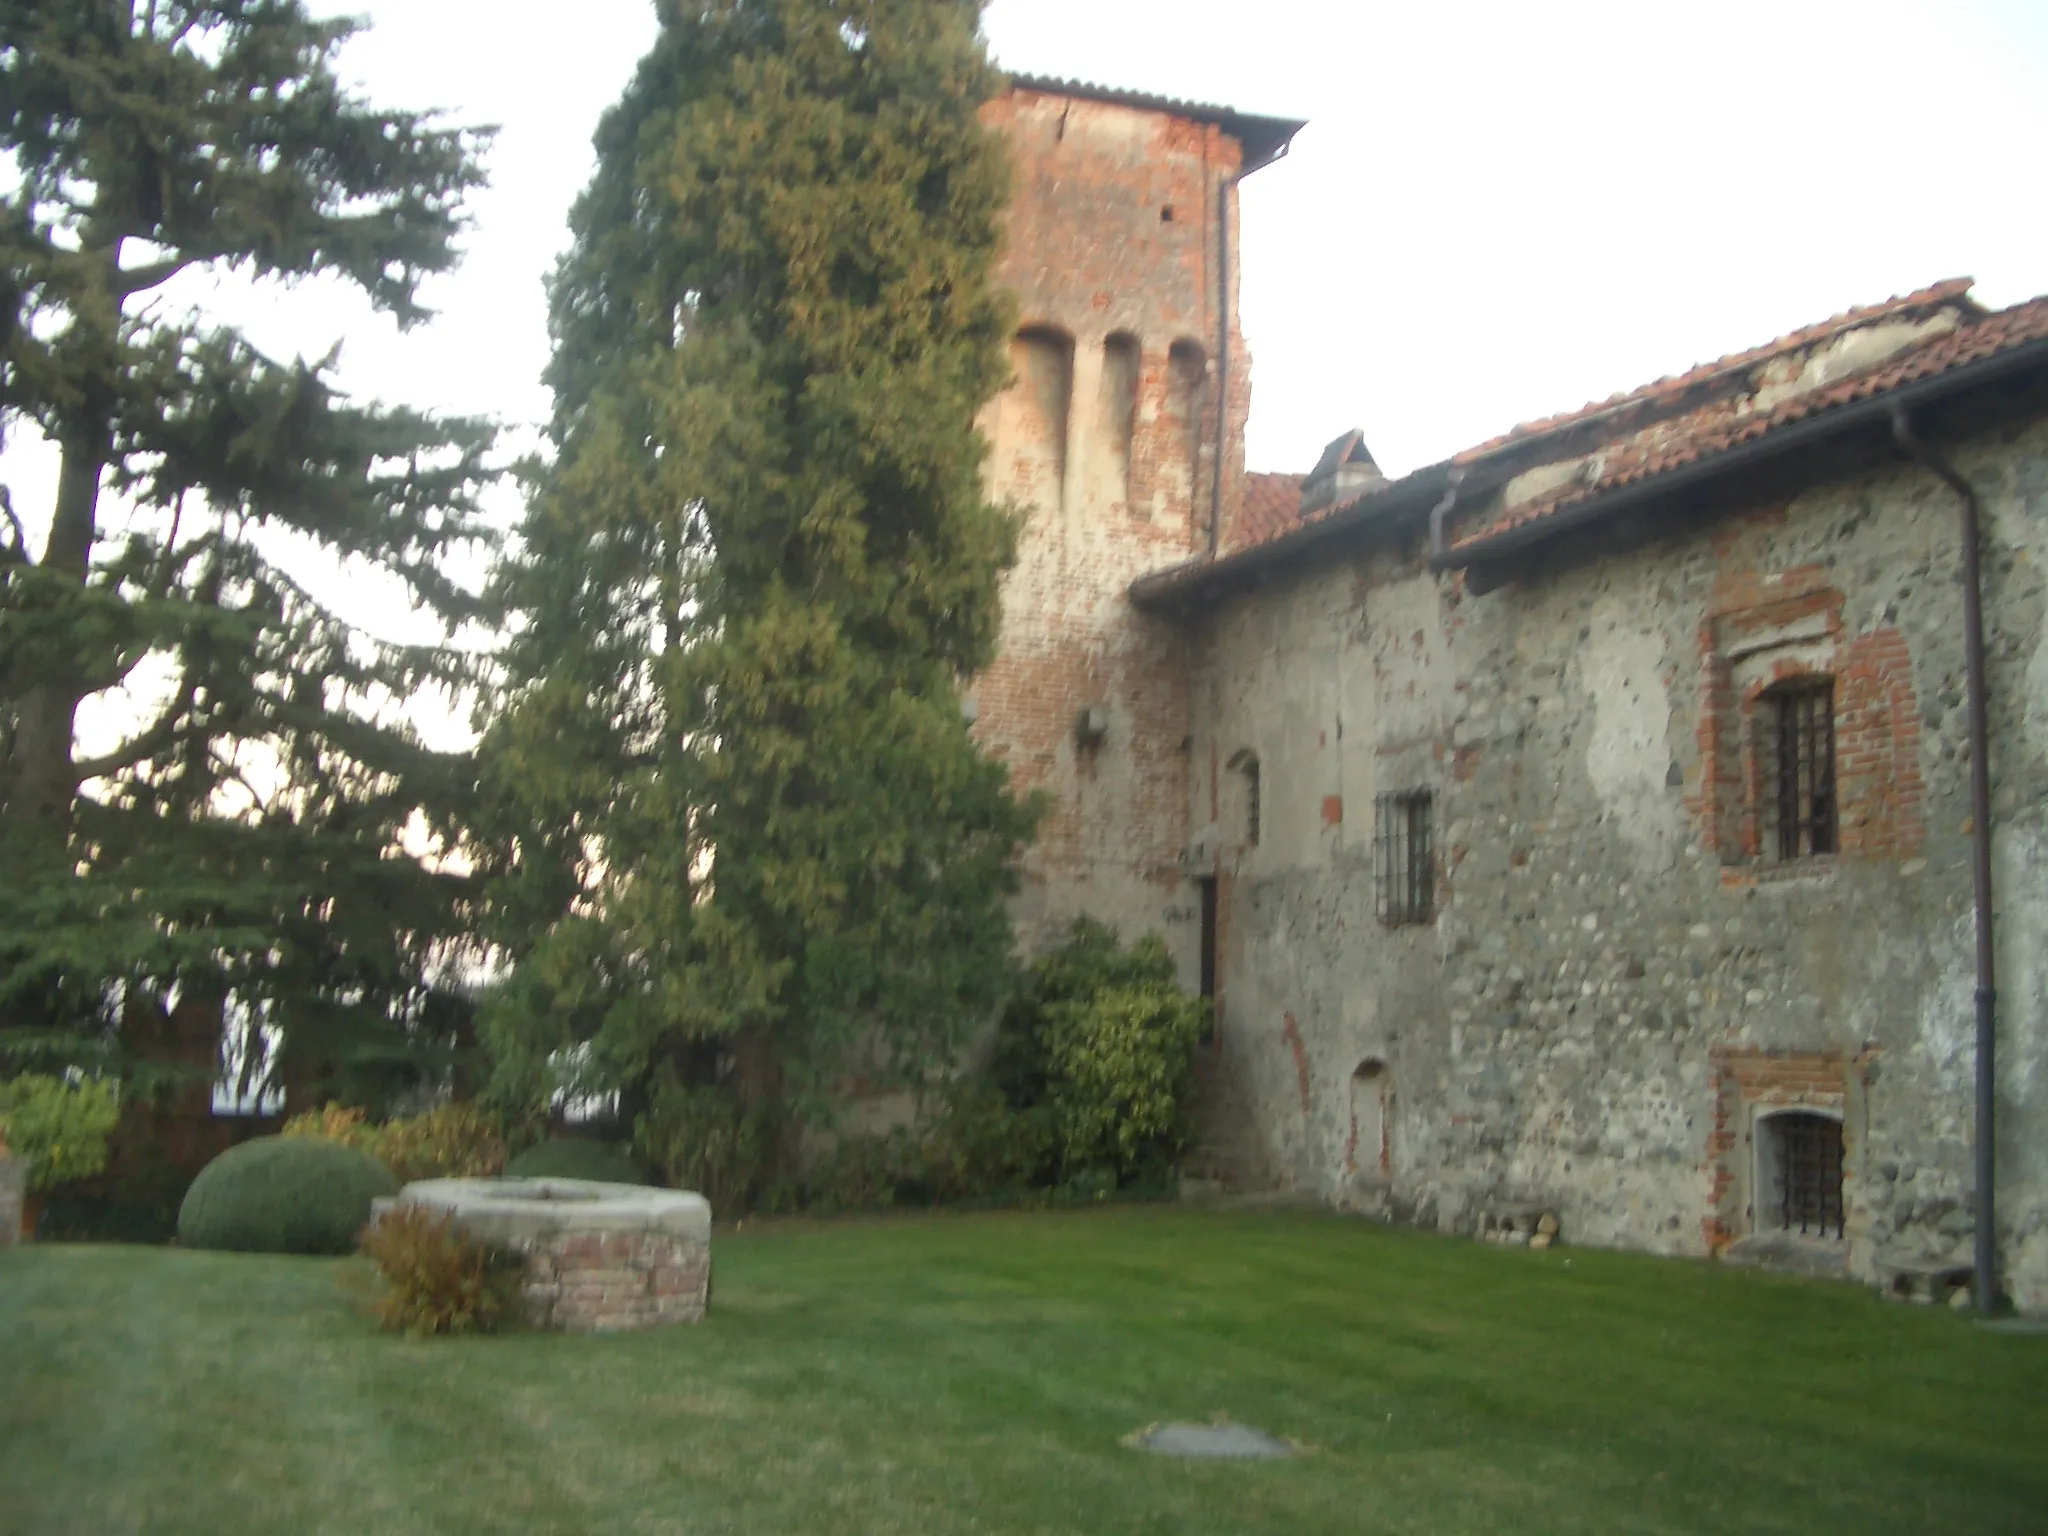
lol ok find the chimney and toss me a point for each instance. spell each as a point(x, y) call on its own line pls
point(1345, 472)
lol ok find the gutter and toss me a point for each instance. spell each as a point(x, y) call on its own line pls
point(1874, 411)
point(1986, 1265)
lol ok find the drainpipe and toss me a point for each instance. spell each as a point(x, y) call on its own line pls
point(1439, 551)
point(1228, 185)
point(1980, 818)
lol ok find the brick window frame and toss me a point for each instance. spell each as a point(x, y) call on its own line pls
point(1755, 1086)
point(1767, 638)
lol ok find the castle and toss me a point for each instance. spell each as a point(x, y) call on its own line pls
point(1586, 822)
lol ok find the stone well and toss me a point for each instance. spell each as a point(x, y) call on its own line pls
point(599, 1257)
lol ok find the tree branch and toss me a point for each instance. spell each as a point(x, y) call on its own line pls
point(133, 280)
point(141, 748)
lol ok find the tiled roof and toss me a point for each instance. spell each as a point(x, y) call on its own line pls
point(1259, 135)
point(1728, 422)
point(1272, 506)
point(1633, 439)
point(1674, 387)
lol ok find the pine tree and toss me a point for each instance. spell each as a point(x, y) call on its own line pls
point(243, 840)
point(746, 836)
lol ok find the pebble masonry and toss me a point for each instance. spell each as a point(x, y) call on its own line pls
point(600, 1258)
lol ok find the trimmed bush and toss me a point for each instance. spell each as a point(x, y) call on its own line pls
point(283, 1194)
point(576, 1157)
point(437, 1278)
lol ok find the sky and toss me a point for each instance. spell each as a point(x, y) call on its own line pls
point(1498, 210)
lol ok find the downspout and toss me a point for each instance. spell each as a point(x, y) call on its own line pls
point(1223, 312)
point(1980, 820)
point(1439, 551)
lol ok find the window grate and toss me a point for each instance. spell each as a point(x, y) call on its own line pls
point(1804, 738)
point(1809, 1173)
point(1403, 857)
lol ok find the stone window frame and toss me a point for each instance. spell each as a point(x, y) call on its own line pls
point(1765, 1173)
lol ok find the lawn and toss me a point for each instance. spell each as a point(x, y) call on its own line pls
point(976, 1373)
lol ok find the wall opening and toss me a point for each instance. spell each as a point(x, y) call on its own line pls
point(1043, 359)
point(1797, 725)
point(1210, 934)
point(1187, 412)
point(1372, 1119)
point(1117, 414)
point(1248, 795)
point(1799, 1173)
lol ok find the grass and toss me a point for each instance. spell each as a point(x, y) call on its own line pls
point(977, 1373)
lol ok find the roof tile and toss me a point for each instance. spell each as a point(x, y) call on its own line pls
point(1721, 424)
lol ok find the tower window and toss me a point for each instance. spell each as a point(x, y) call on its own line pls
point(1801, 792)
point(1403, 858)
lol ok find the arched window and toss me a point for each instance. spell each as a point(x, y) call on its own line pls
point(1372, 1119)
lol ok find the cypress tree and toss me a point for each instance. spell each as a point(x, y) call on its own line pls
point(746, 837)
point(243, 840)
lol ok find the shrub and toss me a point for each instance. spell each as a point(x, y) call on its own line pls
point(1102, 1040)
point(577, 1157)
point(437, 1278)
point(863, 1172)
point(332, 1122)
point(58, 1127)
point(283, 1194)
point(1121, 1065)
point(974, 1146)
point(449, 1141)
point(700, 1139)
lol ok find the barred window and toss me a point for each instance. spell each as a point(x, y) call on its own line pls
point(1800, 797)
point(1403, 857)
point(1803, 1168)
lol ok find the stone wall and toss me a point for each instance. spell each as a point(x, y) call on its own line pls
point(13, 1191)
point(1106, 443)
point(608, 1282)
point(1618, 980)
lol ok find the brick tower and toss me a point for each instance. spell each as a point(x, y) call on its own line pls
point(1122, 437)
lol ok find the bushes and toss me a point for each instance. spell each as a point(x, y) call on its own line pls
point(283, 1194)
point(449, 1141)
point(700, 1139)
point(1102, 1039)
point(57, 1127)
point(437, 1278)
point(976, 1147)
point(575, 1157)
